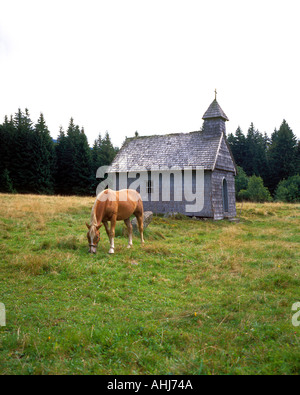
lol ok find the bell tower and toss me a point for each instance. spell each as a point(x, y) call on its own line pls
point(214, 119)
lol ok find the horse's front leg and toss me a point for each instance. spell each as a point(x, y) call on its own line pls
point(112, 234)
point(107, 229)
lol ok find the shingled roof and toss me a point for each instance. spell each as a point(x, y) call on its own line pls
point(215, 111)
point(200, 148)
point(180, 149)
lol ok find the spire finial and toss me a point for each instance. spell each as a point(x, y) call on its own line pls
point(215, 94)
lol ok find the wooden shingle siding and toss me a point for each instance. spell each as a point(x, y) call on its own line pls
point(224, 159)
point(156, 156)
point(172, 205)
point(217, 197)
point(213, 128)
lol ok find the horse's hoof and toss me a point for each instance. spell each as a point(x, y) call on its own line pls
point(111, 251)
point(129, 246)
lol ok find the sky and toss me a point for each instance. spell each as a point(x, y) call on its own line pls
point(150, 66)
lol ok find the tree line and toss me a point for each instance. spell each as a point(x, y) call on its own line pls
point(32, 162)
point(268, 167)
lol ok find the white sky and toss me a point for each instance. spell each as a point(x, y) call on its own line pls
point(150, 66)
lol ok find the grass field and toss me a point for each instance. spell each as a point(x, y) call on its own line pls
point(201, 297)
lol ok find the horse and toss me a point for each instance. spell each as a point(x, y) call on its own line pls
point(114, 206)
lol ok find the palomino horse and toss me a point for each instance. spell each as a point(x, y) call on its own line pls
point(114, 206)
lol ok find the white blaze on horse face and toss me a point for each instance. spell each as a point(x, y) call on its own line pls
point(93, 239)
point(93, 250)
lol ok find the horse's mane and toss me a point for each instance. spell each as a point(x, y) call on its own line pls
point(93, 213)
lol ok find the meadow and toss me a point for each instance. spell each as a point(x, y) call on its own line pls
point(201, 297)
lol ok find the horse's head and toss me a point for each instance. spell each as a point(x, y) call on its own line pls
point(93, 236)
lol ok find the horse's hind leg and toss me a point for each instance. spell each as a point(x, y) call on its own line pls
point(129, 227)
point(141, 226)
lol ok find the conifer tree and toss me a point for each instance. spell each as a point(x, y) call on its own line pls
point(62, 164)
point(43, 158)
point(82, 165)
point(73, 174)
point(238, 146)
point(5, 182)
point(282, 155)
point(107, 150)
point(6, 134)
point(103, 153)
point(255, 162)
point(95, 163)
point(298, 159)
point(21, 167)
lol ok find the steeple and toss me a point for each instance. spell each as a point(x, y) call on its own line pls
point(215, 111)
point(214, 119)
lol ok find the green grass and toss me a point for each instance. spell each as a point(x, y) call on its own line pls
point(201, 297)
